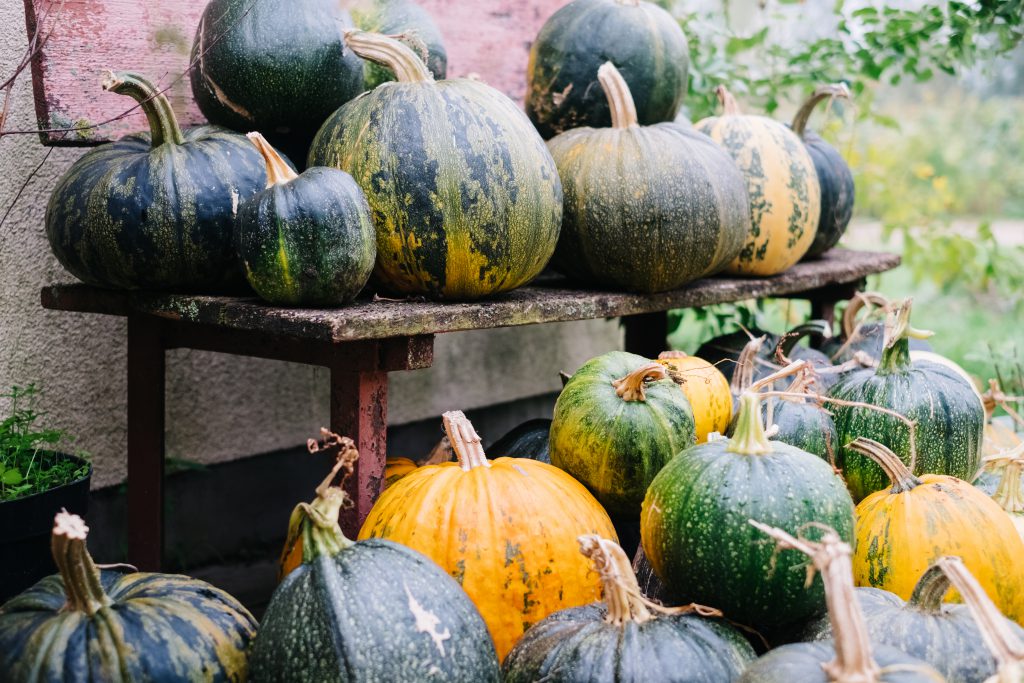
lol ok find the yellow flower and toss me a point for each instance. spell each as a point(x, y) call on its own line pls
point(923, 170)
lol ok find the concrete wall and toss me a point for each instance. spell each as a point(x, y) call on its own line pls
point(219, 407)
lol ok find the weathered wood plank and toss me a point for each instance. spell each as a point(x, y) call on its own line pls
point(488, 37)
point(554, 302)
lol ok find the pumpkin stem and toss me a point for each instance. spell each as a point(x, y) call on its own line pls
point(895, 347)
point(791, 369)
point(465, 441)
point(620, 100)
point(1005, 645)
point(441, 452)
point(749, 437)
point(631, 387)
point(899, 474)
point(822, 92)
point(316, 523)
point(394, 54)
point(730, 107)
point(163, 124)
point(80, 574)
point(1008, 494)
point(929, 591)
point(832, 557)
point(278, 172)
point(743, 373)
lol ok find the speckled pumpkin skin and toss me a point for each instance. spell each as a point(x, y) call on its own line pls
point(507, 533)
point(696, 535)
point(616, 447)
point(644, 42)
point(806, 426)
point(803, 663)
point(837, 194)
point(577, 646)
point(647, 209)
point(128, 216)
point(375, 611)
point(785, 198)
point(399, 17)
point(707, 390)
point(161, 627)
point(464, 195)
point(899, 535)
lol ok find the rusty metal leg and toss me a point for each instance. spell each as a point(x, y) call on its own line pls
point(359, 409)
point(145, 442)
point(646, 333)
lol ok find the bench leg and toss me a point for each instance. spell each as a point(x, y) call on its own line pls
point(145, 443)
point(646, 333)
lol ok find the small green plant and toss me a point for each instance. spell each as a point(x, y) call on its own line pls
point(28, 453)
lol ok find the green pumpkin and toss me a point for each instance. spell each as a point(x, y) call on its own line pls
point(694, 523)
point(528, 440)
point(943, 634)
point(276, 66)
point(464, 195)
point(647, 208)
point(804, 425)
point(85, 625)
point(155, 210)
point(949, 417)
point(369, 610)
point(724, 351)
point(307, 240)
point(405, 20)
point(626, 637)
point(640, 38)
point(617, 422)
point(851, 654)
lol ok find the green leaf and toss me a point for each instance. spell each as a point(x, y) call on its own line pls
point(11, 477)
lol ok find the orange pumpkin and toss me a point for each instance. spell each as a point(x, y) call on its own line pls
point(505, 529)
point(705, 387)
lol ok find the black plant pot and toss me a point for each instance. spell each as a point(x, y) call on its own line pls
point(25, 526)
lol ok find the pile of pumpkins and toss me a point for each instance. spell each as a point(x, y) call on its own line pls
point(423, 186)
point(833, 565)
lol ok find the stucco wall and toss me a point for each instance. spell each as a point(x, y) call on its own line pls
point(219, 407)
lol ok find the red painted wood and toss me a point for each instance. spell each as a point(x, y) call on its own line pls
point(488, 37)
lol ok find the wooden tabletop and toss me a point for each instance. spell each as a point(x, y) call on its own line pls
point(551, 301)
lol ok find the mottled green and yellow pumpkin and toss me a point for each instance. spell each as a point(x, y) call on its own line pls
point(641, 39)
point(706, 389)
point(627, 637)
point(372, 610)
point(155, 210)
point(86, 624)
point(464, 195)
point(406, 21)
point(785, 198)
point(505, 529)
point(647, 208)
point(617, 422)
point(903, 530)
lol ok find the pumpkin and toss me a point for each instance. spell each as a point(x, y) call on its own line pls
point(626, 637)
point(1001, 433)
point(154, 210)
point(903, 530)
point(528, 440)
point(86, 624)
point(648, 581)
point(464, 194)
point(1002, 478)
point(370, 610)
point(694, 522)
point(306, 240)
point(724, 351)
point(617, 422)
point(867, 333)
point(803, 423)
point(834, 176)
point(640, 38)
point(706, 389)
point(277, 66)
point(504, 529)
point(943, 634)
point(948, 416)
point(851, 654)
point(647, 208)
point(407, 21)
point(785, 199)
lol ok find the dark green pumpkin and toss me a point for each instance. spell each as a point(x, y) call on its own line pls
point(724, 351)
point(949, 417)
point(647, 208)
point(641, 39)
point(307, 240)
point(617, 422)
point(804, 425)
point(85, 625)
point(464, 195)
point(370, 610)
point(625, 638)
point(400, 18)
point(647, 579)
point(834, 175)
point(695, 532)
point(155, 210)
point(528, 440)
point(276, 66)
